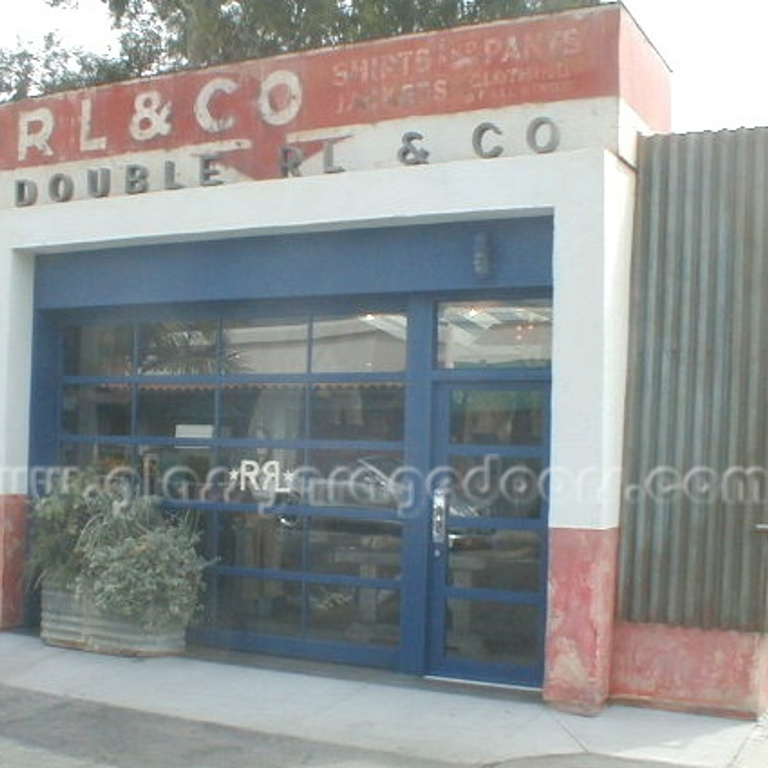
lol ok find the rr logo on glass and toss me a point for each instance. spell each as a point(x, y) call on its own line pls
point(262, 478)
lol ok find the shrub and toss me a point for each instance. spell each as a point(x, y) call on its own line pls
point(122, 552)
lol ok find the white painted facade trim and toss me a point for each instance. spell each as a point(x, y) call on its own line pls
point(589, 191)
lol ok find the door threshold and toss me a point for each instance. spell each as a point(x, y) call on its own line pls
point(484, 685)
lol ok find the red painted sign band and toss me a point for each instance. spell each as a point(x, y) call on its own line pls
point(244, 112)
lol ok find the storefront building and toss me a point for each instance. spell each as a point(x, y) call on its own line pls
point(367, 310)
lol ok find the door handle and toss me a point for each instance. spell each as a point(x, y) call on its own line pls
point(439, 516)
point(761, 528)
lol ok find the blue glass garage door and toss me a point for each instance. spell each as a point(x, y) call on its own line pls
point(367, 467)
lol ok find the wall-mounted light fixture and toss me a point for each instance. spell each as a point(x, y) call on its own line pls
point(482, 259)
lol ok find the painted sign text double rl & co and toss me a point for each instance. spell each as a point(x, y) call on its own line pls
point(324, 111)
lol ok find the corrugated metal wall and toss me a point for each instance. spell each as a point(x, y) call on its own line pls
point(697, 410)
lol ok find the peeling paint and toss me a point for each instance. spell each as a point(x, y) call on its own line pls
point(690, 668)
point(582, 586)
point(12, 549)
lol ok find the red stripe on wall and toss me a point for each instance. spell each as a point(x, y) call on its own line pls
point(691, 669)
point(13, 525)
point(582, 589)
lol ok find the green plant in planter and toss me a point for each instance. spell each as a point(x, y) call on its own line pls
point(141, 564)
point(57, 519)
point(118, 552)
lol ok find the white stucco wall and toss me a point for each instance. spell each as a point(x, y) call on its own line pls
point(589, 191)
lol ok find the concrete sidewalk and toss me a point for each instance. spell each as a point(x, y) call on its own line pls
point(69, 709)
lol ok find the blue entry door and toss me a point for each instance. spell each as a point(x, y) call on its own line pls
point(487, 530)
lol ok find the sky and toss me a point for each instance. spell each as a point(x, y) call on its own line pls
point(717, 51)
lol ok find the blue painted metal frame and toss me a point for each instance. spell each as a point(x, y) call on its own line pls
point(360, 263)
point(354, 270)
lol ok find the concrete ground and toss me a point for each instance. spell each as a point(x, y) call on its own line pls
point(69, 709)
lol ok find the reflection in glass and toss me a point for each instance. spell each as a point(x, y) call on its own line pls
point(97, 410)
point(354, 614)
point(175, 410)
point(366, 549)
point(364, 343)
point(351, 479)
point(98, 350)
point(177, 473)
point(495, 334)
point(492, 486)
point(207, 542)
point(176, 348)
point(508, 560)
point(104, 458)
point(264, 542)
point(493, 632)
point(497, 417)
point(358, 411)
point(263, 411)
point(265, 606)
point(266, 346)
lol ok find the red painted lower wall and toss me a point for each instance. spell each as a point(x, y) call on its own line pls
point(691, 669)
point(582, 596)
point(13, 525)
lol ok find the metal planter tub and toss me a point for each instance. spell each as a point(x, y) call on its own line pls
point(70, 622)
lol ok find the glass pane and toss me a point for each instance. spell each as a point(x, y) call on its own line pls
point(265, 542)
point(266, 346)
point(370, 550)
point(495, 334)
point(263, 412)
point(265, 606)
point(350, 479)
point(497, 417)
point(492, 632)
point(104, 458)
point(508, 560)
point(176, 348)
point(175, 411)
point(492, 486)
point(175, 472)
point(206, 523)
point(97, 410)
point(365, 343)
point(98, 350)
point(358, 411)
point(354, 615)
